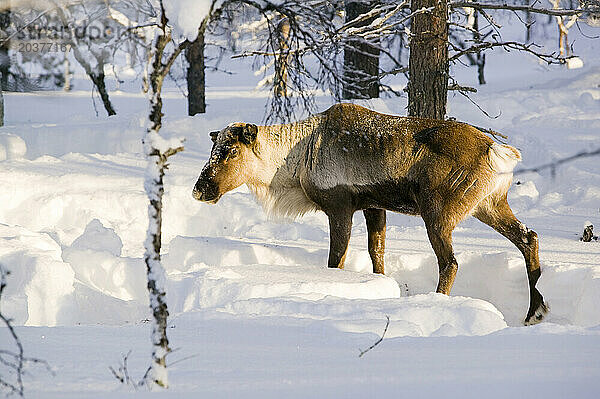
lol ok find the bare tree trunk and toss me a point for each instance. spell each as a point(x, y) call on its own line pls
point(67, 72)
point(196, 79)
point(96, 74)
point(4, 62)
point(480, 54)
point(158, 150)
point(155, 273)
point(155, 189)
point(428, 61)
point(4, 58)
point(481, 67)
point(146, 76)
point(282, 61)
point(528, 22)
point(361, 59)
point(1, 107)
point(99, 82)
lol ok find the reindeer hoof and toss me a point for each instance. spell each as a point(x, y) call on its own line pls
point(538, 315)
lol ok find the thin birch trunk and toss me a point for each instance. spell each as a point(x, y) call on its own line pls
point(157, 151)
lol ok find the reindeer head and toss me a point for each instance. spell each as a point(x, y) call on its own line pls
point(230, 162)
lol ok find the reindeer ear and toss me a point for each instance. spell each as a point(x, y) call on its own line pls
point(249, 133)
point(213, 135)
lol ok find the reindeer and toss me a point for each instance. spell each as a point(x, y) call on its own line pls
point(349, 158)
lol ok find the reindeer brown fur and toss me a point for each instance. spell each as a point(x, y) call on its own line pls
point(349, 158)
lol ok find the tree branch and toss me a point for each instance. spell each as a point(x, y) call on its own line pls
point(535, 10)
point(552, 165)
point(551, 58)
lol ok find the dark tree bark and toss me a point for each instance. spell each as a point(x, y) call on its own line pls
point(99, 82)
point(361, 59)
point(4, 62)
point(428, 61)
point(480, 55)
point(1, 107)
point(196, 79)
point(4, 58)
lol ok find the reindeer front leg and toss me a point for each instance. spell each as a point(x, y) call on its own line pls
point(376, 230)
point(340, 226)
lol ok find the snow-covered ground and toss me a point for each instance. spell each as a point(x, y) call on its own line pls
point(254, 310)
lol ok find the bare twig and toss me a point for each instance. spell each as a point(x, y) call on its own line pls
point(457, 87)
point(496, 135)
point(554, 164)
point(122, 374)
point(18, 358)
point(379, 340)
point(483, 111)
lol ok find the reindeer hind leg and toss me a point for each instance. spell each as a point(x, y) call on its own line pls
point(500, 217)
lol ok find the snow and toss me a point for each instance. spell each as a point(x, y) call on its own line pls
point(254, 311)
point(11, 146)
point(574, 63)
point(41, 284)
point(187, 15)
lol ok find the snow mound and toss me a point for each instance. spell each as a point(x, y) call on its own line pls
point(97, 237)
point(523, 195)
point(222, 273)
point(221, 286)
point(63, 195)
point(50, 285)
point(97, 263)
point(11, 146)
point(187, 253)
point(559, 283)
point(40, 287)
point(418, 316)
point(89, 282)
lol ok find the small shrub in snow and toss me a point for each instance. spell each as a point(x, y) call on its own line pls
point(588, 233)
